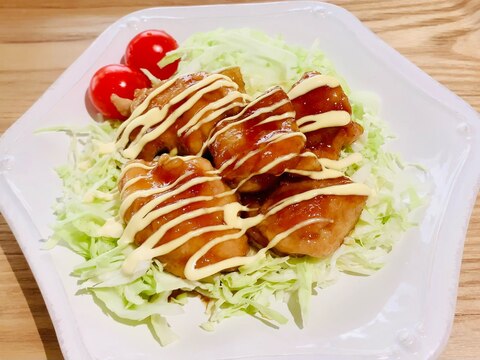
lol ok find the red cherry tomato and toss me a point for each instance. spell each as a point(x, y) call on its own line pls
point(149, 47)
point(114, 79)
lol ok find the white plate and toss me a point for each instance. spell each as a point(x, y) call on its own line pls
point(404, 311)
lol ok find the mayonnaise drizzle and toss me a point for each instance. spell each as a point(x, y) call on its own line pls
point(325, 120)
point(112, 228)
point(193, 273)
point(155, 122)
point(317, 175)
point(330, 168)
point(267, 167)
point(252, 116)
point(344, 189)
point(312, 83)
point(328, 119)
point(150, 211)
point(274, 139)
point(237, 120)
point(342, 163)
point(134, 225)
point(217, 107)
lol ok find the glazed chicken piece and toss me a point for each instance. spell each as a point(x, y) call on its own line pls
point(331, 217)
point(307, 161)
point(254, 201)
point(254, 147)
point(235, 74)
point(190, 195)
point(325, 142)
point(190, 108)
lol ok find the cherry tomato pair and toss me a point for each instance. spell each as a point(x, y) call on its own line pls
point(143, 52)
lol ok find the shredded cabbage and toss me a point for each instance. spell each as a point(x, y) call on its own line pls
point(265, 61)
point(88, 223)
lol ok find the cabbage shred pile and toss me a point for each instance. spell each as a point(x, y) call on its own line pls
point(88, 222)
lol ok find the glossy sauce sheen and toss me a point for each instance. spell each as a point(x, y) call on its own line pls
point(323, 113)
point(172, 209)
point(179, 114)
point(335, 211)
point(174, 213)
point(252, 148)
point(191, 220)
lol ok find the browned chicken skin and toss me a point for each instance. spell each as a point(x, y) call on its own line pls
point(167, 170)
point(254, 141)
point(235, 74)
point(252, 145)
point(338, 215)
point(187, 143)
point(326, 142)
